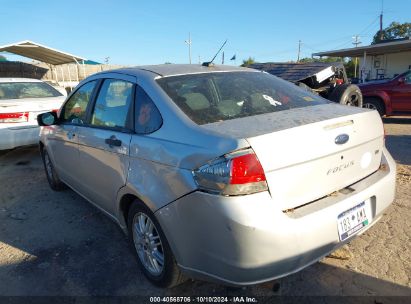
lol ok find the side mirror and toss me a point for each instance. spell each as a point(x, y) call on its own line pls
point(47, 119)
point(401, 80)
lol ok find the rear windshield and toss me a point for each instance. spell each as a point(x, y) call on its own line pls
point(213, 97)
point(20, 90)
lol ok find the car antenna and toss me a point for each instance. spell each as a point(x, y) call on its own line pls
point(210, 63)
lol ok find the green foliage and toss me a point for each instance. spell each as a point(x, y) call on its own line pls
point(350, 67)
point(2, 58)
point(394, 31)
point(248, 62)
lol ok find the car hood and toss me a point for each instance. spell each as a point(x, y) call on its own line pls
point(373, 84)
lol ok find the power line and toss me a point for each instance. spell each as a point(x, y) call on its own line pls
point(368, 26)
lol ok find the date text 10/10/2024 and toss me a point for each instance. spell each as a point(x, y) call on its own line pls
point(203, 299)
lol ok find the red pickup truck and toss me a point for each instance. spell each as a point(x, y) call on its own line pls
point(392, 97)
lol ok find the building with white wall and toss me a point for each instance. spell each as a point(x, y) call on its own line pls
point(378, 61)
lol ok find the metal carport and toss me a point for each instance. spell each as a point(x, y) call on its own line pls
point(384, 47)
point(45, 54)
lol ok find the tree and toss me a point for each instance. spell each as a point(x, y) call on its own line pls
point(350, 66)
point(2, 58)
point(248, 62)
point(394, 31)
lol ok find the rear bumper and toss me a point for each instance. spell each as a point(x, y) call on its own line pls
point(248, 239)
point(16, 136)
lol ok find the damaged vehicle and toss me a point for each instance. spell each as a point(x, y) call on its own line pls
point(328, 80)
point(217, 172)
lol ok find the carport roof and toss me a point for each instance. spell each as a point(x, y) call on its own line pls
point(374, 49)
point(40, 52)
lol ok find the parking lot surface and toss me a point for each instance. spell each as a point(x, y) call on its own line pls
point(55, 243)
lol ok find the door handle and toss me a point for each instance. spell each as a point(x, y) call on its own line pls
point(70, 134)
point(112, 141)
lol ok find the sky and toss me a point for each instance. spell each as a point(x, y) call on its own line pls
point(136, 32)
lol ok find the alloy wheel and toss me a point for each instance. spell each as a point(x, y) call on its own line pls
point(148, 244)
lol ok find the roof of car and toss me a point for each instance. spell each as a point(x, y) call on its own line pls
point(180, 69)
point(14, 79)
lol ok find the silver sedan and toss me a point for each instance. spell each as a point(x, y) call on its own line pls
point(220, 173)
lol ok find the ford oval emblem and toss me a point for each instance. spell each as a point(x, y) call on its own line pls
point(341, 139)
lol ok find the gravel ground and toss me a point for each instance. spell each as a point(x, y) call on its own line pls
point(55, 243)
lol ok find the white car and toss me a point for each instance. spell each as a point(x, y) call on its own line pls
point(21, 100)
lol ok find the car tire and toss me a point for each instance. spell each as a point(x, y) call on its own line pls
point(347, 94)
point(153, 252)
point(374, 104)
point(52, 177)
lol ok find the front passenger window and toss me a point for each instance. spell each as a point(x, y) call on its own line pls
point(74, 110)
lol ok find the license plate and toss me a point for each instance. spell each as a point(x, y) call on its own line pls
point(353, 220)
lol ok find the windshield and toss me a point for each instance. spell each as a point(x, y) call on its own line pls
point(20, 90)
point(212, 97)
point(407, 76)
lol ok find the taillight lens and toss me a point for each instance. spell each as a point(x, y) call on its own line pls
point(14, 117)
point(236, 173)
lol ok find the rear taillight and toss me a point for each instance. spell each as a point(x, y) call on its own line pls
point(14, 117)
point(236, 173)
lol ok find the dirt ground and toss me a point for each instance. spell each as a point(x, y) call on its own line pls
point(55, 243)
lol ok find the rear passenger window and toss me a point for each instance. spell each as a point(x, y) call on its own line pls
point(148, 117)
point(74, 110)
point(113, 105)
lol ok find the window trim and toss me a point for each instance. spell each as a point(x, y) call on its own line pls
point(93, 100)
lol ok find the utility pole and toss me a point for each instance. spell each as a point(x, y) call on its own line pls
point(299, 51)
point(189, 46)
point(382, 10)
point(356, 43)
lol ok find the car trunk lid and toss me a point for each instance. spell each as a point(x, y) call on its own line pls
point(300, 157)
point(33, 106)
